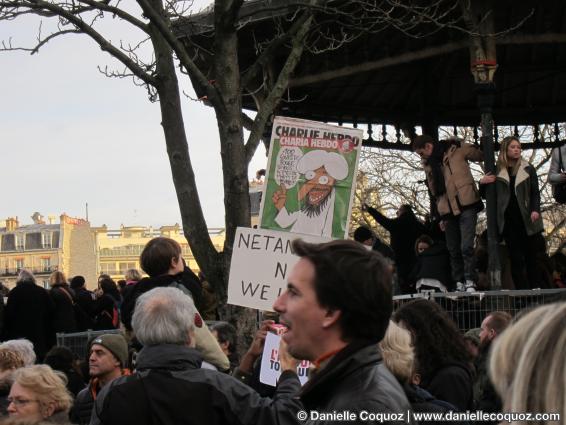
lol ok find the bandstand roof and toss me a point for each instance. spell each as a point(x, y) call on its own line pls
point(390, 78)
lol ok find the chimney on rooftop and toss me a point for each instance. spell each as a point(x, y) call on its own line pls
point(12, 224)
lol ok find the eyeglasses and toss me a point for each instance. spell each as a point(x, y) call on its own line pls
point(20, 402)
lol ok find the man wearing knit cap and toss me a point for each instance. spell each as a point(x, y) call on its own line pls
point(107, 361)
point(321, 170)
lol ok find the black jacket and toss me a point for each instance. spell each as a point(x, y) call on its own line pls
point(453, 383)
point(169, 387)
point(404, 231)
point(64, 316)
point(433, 263)
point(486, 397)
point(355, 380)
point(28, 314)
point(85, 313)
point(186, 278)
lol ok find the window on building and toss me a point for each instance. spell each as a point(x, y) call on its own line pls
point(108, 268)
point(46, 264)
point(47, 240)
point(126, 266)
point(19, 264)
point(20, 244)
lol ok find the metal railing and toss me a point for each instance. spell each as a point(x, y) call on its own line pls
point(469, 309)
point(37, 270)
point(77, 341)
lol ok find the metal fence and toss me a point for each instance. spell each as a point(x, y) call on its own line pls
point(469, 309)
point(77, 341)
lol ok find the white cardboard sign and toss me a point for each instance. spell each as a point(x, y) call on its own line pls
point(261, 263)
point(271, 368)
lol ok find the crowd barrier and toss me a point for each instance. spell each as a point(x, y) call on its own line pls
point(77, 341)
point(469, 309)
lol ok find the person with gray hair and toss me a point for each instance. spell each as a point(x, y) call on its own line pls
point(169, 386)
point(29, 314)
point(23, 347)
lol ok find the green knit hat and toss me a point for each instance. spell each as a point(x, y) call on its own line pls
point(116, 344)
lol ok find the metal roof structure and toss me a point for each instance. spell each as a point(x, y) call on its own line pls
point(391, 78)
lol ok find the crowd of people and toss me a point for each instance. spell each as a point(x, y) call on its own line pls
point(166, 366)
point(445, 254)
point(156, 360)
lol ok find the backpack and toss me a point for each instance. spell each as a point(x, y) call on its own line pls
point(559, 190)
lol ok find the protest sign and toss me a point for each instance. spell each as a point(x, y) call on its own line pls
point(310, 179)
point(270, 370)
point(261, 262)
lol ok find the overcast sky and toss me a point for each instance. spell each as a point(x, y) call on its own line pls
point(69, 135)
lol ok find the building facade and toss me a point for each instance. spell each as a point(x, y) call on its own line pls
point(119, 250)
point(44, 247)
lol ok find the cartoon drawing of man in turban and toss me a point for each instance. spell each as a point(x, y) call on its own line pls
point(322, 170)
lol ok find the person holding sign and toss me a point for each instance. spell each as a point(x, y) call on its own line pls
point(337, 308)
point(321, 170)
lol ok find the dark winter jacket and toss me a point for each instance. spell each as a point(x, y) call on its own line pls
point(169, 387)
point(104, 309)
point(423, 401)
point(486, 398)
point(453, 383)
point(64, 316)
point(28, 314)
point(404, 231)
point(433, 263)
point(527, 193)
point(355, 379)
point(82, 407)
point(85, 312)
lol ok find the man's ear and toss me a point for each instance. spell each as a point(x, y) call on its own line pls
point(330, 318)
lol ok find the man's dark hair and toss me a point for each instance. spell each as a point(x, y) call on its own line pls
point(437, 340)
point(362, 234)
point(226, 333)
point(419, 142)
point(353, 280)
point(499, 320)
point(77, 282)
point(156, 257)
point(423, 239)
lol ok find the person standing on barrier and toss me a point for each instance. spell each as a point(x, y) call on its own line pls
point(336, 309)
point(107, 361)
point(455, 200)
point(519, 219)
point(443, 361)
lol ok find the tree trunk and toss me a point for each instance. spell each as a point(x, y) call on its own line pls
point(194, 224)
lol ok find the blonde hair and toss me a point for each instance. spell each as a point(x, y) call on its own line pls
point(132, 275)
point(502, 160)
point(527, 363)
point(10, 359)
point(398, 353)
point(57, 278)
point(48, 386)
